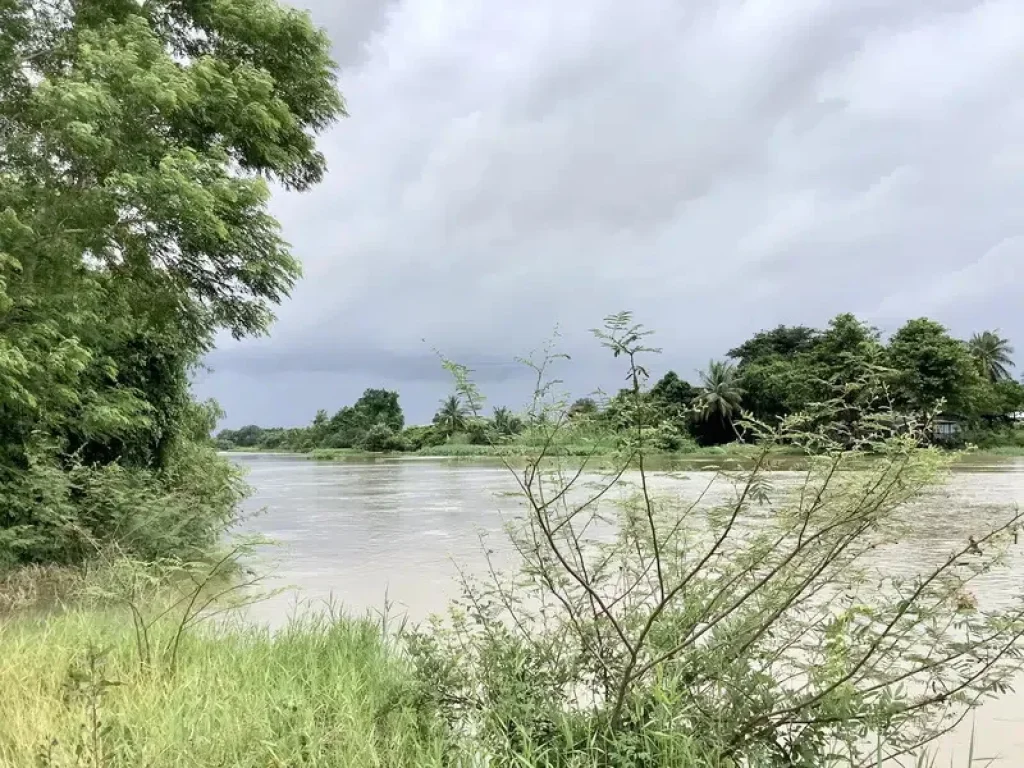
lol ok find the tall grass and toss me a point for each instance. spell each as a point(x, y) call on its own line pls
point(322, 691)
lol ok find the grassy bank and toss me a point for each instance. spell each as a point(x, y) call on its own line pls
point(515, 450)
point(320, 692)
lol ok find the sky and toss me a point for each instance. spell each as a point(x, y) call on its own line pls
point(714, 166)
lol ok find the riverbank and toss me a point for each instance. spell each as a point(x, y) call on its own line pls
point(321, 691)
point(513, 450)
point(734, 451)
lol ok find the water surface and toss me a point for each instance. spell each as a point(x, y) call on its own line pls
point(361, 533)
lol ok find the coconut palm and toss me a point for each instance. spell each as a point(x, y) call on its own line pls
point(505, 422)
point(451, 417)
point(721, 393)
point(992, 353)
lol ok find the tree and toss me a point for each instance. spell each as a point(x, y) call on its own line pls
point(993, 355)
point(506, 423)
point(451, 417)
point(380, 406)
point(775, 386)
point(848, 351)
point(782, 341)
point(720, 396)
point(380, 437)
point(932, 367)
point(674, 394)
point(349, 426)
point(136, 145)
point(582, 408)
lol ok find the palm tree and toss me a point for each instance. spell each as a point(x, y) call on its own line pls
point(451, 418)
point(721, 393)
point(505, 422)
point(992, 353)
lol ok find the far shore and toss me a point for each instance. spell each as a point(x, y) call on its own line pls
point(731, 451)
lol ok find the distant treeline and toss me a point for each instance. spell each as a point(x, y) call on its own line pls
point(921, 369)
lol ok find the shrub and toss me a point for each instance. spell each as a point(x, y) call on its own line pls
point(380, 438)
point(420, 437)
point(644, 631)
point(63, 514)
point(377, 438)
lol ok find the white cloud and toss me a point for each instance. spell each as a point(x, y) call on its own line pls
point(718, 167)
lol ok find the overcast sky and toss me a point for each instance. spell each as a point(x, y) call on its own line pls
point(717, 167)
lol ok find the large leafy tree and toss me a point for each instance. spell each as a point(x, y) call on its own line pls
point(674, 395)
point(782, 341)
point(137, 144)
point(790, 368)
point(932, 367)
point(375, 407)
point(993, 355)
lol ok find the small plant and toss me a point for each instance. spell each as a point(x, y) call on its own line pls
point(86, 686)
point(186, 593)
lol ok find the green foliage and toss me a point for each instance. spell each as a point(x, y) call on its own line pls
point(583, 408)
point(842, 373)
point(674, 396)
point(377, 411)
point(136, 141)
point(451, 418)
point(506, 424)
point(349, 427)
point(419, 437)
point(933, 369)
point(325, 690)
point(780, 342)
point(380, 438)
point(992, 354)
point(718, 404)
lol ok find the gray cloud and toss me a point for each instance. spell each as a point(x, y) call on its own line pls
point(717, 167)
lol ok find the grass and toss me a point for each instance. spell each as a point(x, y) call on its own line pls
point(528, 448)
point(322, 691)
point(1001, 450)
point(325, 690)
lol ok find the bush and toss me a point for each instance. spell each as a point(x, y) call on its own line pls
point(64, 514)
point(743, 633)
point(380, 438)
point(377, 438)
point(480, 432)
point(996, 437)
point(420, 437)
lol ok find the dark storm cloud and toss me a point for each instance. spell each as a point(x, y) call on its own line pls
point(718, 167)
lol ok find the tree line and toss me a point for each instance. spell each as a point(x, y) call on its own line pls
point(920, 370)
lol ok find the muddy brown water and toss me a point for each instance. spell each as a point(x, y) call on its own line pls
point(358, 534)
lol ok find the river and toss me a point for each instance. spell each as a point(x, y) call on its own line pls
point(362, 533)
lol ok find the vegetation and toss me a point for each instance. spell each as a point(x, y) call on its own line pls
point(321, 691)
point(921, 370)
point(993, 355)
point(638, 630)
point(136, 145)
point(742, 627)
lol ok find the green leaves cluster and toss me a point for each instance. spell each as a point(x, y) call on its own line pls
point(922, 369)
point(137, 143)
